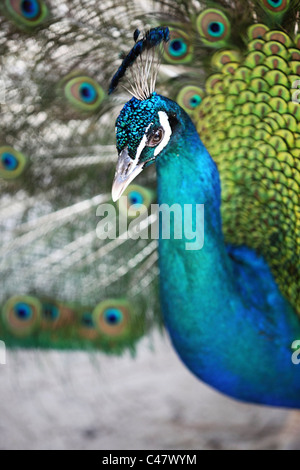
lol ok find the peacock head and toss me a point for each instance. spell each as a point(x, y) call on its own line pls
point(146, 123)
point(144, 129)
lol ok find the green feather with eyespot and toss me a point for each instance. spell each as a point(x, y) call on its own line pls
point(29, 322)
point(12, 163)
point(28, 16)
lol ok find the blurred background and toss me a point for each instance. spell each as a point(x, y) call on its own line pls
point(56, 400)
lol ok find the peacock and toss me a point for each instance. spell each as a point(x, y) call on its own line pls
point(224, 134)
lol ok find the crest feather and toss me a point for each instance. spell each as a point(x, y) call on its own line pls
point(143, 55)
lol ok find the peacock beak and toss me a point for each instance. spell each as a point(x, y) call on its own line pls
point(126, 170)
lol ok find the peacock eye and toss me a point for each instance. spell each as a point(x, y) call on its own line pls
point(50, 312)
point(179, 49)
point(12, 163)
point(216, 28)
point(213, 27)
point(84, 93)
point(156, 137)
point(22, 315)
point(190, 97)
point(87, 320)
point(27, 13)
point(112, 318)
point(277, 7)
point(137, 201)
point(275, 3)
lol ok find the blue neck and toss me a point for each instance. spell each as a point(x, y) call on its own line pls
point(222, 308)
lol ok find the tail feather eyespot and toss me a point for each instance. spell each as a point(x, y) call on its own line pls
point(56, 315)
point(214, 27)
point(179, 49)
point(83, 93)
point(190, 98)
point(87, 326)
point(27, 13)
point(12, 163)
point(113, 318)
point(21, 315)
point(135, 201)
point(275, 6)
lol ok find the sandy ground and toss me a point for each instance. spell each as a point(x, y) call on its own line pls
point(77, 401)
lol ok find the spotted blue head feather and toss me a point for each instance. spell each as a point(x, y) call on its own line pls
point(153, 38)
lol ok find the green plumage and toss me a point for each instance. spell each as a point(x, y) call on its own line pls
point(250, 125)
point(58, 124)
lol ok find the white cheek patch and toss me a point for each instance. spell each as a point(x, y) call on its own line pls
point(164, 122)
point(141, 146)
